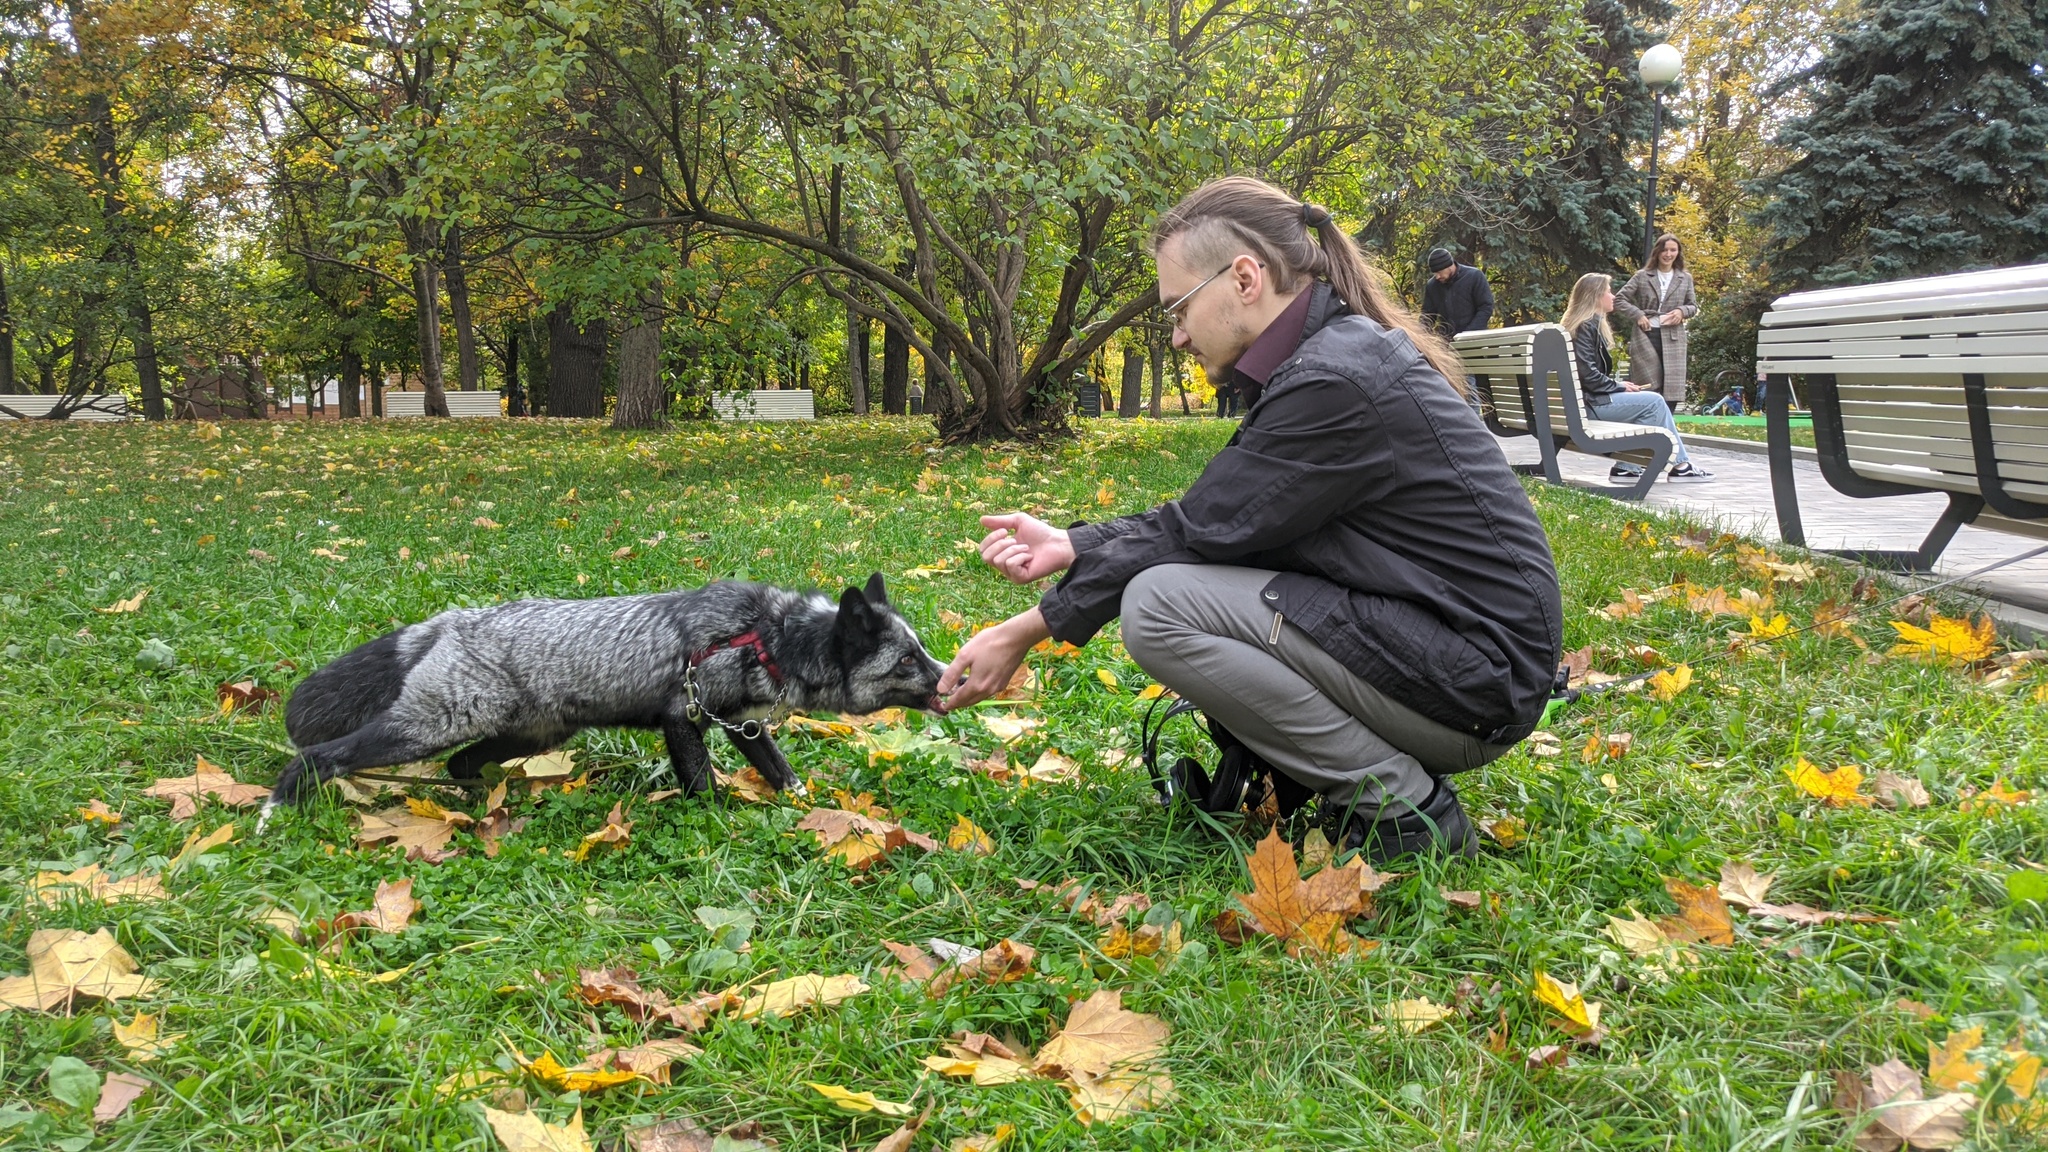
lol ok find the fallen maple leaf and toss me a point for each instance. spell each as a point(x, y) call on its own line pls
point(1994, 797)
point(747, 784)
point(91, 883)
point(243, 694)
point(198, 844)
point(1900, 1114)
point(97, 812)
point(1580, 1017)
point(1009, 727)
point(683, 1136)
point(120, 1090)
point(1832, 620)
point(1950, 1066)
point(207, 779)
point(1670, 682)
point(65, 964)
point(1702, 915)
point(131, 604)
point(1002, 962)
point(1613, 745)
point(621, 987)
point(526, 1132)
point(1149, 940)
point(557, 765)
point(901, 1139)
point(617, 830)
point(979, 1141)
point(784, 997)
point(1302, 914)
point(1052, 768)
point(968, 836)
point(1742, 885)
point(1836, 788)
point(1897, 791)
point(1107, 1099)
point(1629, 605)
point(1413, 1016)
point(1506, 831)
point(1804, 914)
point(1101, 1036)
point(1946, 640)
point(391, 910)
point(584, 1077)
point(858, 841)
point(143, 1037)
point(421, 837)
point(1711, 601)
point(858, 1101)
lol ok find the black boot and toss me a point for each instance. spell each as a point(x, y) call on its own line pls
point(1398, 829)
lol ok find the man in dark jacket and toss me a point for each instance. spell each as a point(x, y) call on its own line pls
point(1457, 297)
point(1356, 589)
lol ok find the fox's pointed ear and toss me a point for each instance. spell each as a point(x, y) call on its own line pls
point(856, 619)
point(875, 592)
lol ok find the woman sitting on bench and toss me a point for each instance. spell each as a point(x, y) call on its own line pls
point(1585, 317)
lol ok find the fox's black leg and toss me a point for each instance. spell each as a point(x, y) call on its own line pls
point(375, 744)
point(761, 751)
point(468, 763)
point(686, 752)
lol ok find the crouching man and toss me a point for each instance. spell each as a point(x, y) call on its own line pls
point(1356, 590)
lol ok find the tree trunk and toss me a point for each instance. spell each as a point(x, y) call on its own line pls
point(468, 368)
point(351, 398)
point(1132, 390)
point(515, 391)
point(575, 365)
point(7, 383)
point(857, 362)
point(146, 368)
point(426, 291)
point(1158, 374)
point(376, 373)
point(895, 373)
point(643, 395)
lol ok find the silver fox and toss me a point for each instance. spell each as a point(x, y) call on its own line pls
point(520, 678)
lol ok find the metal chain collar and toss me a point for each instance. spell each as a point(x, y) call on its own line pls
point(746, 729)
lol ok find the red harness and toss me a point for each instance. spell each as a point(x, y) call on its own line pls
point(751, 639)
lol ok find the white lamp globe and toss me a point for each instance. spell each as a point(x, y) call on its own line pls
point(1660, 65)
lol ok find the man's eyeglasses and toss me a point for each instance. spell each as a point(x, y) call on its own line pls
point(1178, 309)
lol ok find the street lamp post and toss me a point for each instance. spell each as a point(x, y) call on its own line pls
point(1659, 66)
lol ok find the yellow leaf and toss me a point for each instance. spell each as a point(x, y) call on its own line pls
point(1946, 640)
point(1998, 794)
point(859, 1101)
point(616, 831)
point(1836, 788)
point(1580, 1016)
point(1639, 935)
point(1305, 914)
point(131, 604)
point(1008, 728)
point(64, 963)
point(1413, 1016)
point(784, 997)
point(579, 1079)
point(1152, 692)
point(525, 1132)
point(1052, 767)
point(1109, 680)
point(1108, 1099)
point(1670, 682)
point(1774, 628)
point(90, 883)
point(1703, 916)
point(207, 779)
point(1950, 1066)
point(142, 1038)
point(98, 813)
point(968, 836)
point(198, 844)
point(982, 1141)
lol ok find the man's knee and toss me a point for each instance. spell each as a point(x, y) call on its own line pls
point(1148, 611)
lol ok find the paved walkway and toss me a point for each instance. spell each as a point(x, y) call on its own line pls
point(1739, 499)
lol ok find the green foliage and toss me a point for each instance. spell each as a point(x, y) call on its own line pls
point(1926, 149)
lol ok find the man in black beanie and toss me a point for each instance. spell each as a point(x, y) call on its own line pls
point(1457, 297)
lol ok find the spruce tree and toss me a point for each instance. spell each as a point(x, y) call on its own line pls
point(1925, 150)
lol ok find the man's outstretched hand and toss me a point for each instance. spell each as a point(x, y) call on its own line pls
point(984, 664)
point(1024, 548)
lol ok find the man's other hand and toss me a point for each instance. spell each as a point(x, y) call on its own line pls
point(1024, 548)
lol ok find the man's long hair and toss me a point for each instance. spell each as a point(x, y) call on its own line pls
point(1584, 305)
point(1243, 215)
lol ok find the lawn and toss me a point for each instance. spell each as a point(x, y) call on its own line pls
point(266, 549)
point(1744, 428)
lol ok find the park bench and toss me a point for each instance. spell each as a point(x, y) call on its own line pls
point(1935, 385)
point(1529, 386)
point(765, 404)
point(95, 406)
point(461, 405)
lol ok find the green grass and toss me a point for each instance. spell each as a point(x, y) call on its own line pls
point(1743, 428)
point(1267, 1052)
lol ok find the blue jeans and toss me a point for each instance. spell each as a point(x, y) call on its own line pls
point(1638, 408)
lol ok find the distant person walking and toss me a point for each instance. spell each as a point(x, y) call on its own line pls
point(1656, 304)
point(1622, 401)
point(1457, 297)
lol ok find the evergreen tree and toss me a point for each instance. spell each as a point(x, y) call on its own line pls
point(1926, 149)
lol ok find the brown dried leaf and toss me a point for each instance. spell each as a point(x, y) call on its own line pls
point(392, 910)
point(65, 964)
point(1302, 914)
point(617, 830)
point(1742, 886)
point(91, 883)
point(422, 838)
point(184, 792)
point(1703, 916)
point(1100, 1036)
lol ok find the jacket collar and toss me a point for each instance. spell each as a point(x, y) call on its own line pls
point(1302, 319)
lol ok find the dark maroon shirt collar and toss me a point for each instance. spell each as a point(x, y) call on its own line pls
point(1272, 348)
